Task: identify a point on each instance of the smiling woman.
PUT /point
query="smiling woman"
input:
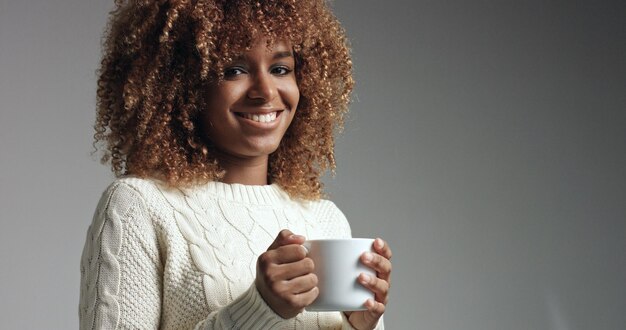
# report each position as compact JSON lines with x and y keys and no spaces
{"x":218,"y":118}
{"x":161,"y":57}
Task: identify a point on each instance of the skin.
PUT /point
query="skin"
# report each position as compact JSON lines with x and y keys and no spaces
{"x":260,"y":82}
{"x":286,"y":283}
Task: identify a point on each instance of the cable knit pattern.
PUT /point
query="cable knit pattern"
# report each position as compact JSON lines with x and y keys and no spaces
{"x":164,"y":258}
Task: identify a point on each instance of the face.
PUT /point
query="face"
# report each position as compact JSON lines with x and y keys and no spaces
{"x":250,"y":110}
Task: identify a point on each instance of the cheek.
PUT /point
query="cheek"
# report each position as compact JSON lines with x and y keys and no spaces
{"x":224,"y":95}
{"x":210,"y":115}
{"x":217,"y":104}
{"x":296,"y":97}
{"x":292,"y":94}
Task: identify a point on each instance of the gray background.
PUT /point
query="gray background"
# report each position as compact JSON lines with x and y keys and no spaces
{"x":486,"y":144}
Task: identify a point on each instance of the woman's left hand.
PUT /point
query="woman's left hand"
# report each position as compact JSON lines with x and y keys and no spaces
{"x":380,"y":262}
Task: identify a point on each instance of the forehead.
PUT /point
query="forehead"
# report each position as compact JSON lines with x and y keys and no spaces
{"x":265,"y":47}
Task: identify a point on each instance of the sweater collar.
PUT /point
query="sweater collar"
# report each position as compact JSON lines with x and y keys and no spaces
{"x":247,"y":194}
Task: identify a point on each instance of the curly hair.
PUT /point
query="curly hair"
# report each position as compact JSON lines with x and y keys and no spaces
{"x":158,"y":55}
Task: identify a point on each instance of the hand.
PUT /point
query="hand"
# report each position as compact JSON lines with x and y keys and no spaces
{"x":284,"y":275}
{"x":380,"y":261}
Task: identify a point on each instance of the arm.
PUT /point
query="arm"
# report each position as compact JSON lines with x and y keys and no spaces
{"x":248,"y":311}
{"x":122,"y":273}
{"x":120,"y":244}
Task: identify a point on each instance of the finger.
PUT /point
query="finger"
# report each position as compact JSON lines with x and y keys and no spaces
{"x":292,"y":270}
{"x":381,"y":247}
{"x":374,"y":308}
{"x":284,"y":263}
{"x":286,"y":237}
{"x":380,"y":264}
{"x":302,"y":284}
{"x":287,"y":254}
{"x":297,"y":300}
{"x":304,"y":299}
{"x":376,"y":285}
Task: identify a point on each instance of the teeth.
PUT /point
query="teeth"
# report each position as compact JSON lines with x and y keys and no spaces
{"x":262,"y":118}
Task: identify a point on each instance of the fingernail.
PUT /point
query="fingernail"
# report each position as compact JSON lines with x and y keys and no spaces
{"x":368,"y":257}
{"x":380,"y":243}
{"x":296,"y":237}
{"x":365,"y":278}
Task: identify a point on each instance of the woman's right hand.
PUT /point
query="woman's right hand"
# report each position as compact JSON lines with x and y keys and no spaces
{"x":284,"y":275}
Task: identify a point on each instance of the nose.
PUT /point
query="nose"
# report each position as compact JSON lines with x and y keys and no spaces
{"x":263,"y":88}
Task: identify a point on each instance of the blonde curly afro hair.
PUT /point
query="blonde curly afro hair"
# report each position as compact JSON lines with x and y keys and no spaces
{"x":158,"y":57}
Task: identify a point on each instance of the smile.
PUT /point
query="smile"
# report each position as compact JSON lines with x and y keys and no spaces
{"x":259,"y":118}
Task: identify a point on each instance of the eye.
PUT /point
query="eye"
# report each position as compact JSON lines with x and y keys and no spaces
{"x":281,"y":70}
{"x":234,"y":71}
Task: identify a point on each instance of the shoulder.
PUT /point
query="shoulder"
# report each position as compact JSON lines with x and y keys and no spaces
{"x":128,"y":194}
{"x":121,"y":197}
{"x":331,"y":218}
{"x":123,"y":216}
{"x":134,"y":185}
{"x":151,"y":190}
{"x":325,"y":207}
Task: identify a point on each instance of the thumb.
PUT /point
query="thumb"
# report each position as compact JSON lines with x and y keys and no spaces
{"x":286,"y":237}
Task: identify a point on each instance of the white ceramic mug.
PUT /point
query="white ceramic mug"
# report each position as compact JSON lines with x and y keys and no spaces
{"x":337,"y":266}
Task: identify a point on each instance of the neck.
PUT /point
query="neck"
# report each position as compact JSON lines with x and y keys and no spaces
{"x":248,"y":171}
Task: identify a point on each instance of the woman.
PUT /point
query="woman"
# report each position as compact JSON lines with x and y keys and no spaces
{"x":218,"y":119}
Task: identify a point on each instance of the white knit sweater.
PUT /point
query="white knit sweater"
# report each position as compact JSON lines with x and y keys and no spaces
{"x":159,"y":258}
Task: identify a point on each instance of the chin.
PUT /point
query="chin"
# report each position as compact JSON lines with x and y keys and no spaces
{"x":266,"y":150}
{"x":257,"y":150}
{"x":263,"y":144}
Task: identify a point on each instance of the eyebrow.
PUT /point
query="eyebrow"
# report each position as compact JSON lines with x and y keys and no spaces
{"x":283,"y":54}
{"x":277,"y":55}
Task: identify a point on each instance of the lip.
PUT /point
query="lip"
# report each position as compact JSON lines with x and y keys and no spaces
{"x":261,"y":111}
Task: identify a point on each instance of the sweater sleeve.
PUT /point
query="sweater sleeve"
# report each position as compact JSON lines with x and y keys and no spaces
{"x":120,"y":265}
{"x":122,"y":273}
{"x":345,"y":324}
{"x":248,"y":311}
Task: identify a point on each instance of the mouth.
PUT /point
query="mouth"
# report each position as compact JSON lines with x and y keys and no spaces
{"x":265,"y":117}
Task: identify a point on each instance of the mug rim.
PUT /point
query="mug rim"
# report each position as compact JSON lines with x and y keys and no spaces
{"x":339,"y":239}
